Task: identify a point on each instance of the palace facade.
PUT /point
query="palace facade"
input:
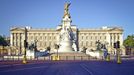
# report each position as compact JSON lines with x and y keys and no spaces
{"x":49,"y":37}
{"x":87,"y":38}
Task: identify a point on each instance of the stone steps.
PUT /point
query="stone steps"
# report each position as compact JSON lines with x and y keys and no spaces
{"x":70,"y":54}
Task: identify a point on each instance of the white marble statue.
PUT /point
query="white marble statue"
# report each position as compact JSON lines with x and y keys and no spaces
{"x":67,"y":40}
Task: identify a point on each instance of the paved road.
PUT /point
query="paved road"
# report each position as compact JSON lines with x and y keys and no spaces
{"x":69,"y":68}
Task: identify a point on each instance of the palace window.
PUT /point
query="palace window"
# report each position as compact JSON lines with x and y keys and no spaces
{"x":118,"y":37}
{"x":81,"y":43}
{"x":91,"y":43}
{"x":45,"y":37}
{"x":40,"y":37}
{"x":100,"y":37}
{"x":111,"y":37}
{"x":105,"y":37}
{"x":29,"y":34}
{"x":54,"y":37}
{"x":103,"y":34}
{"x":44,"y":43}
{"x":31,"y":37}
{"x":114,"y":36}
{"x":86,"y":37}
{"x":93,"y":33}
{"x":87,"y":43}
{"x":91,"y":37}
{"x":49,"y":43}
{"x":95,"y":37}
{"x":35,"y":37}
{"x":82,"y":37}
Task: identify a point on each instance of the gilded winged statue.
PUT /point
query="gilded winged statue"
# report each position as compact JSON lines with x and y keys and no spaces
{"x":66,"y":8}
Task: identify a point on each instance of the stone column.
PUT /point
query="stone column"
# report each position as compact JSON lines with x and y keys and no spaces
{"x":19,"y":35}
{"x":9,"y":51}
{"x":121,"y":39}
{"x":116,"y":36}
{"x":108,"y":41}
{"x":15,"y":39}
{"x":121,"y":44}
{"x":108,"y":38}
{"x":11,"y":43}
{"x":112,"y":39}
{"x":21,"y":43}
{"x":23,"y":38}
{"x":17,"y":43}
{"x":11,"y":39}
{"x":110,"y":44}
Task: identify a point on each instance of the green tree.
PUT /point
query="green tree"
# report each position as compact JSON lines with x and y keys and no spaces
{"x":84,"y":49}
{"x":49,"y":48}
{"x":129,"y":41}
{"x":3,"y":42}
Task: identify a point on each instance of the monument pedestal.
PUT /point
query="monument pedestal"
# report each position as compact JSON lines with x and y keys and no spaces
{"x":30,"y":54}
{"x":66,"y":34}
{"x":71,"y":56}
{"x":65,"y":46}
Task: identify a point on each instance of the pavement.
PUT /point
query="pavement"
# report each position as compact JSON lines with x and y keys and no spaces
{"x":91,"y":67}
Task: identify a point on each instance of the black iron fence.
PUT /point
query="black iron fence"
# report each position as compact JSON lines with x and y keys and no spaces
{"x":5,"y":58}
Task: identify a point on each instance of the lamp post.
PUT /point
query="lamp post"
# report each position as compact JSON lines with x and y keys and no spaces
{"x":35,"y":43}
{"x":57,"y":56}
{"x":118,"y":56}
{"x":57,"y":52}
{"x":117,"y":47}
{"x":25,"y":46}
{"x":118,"y":52}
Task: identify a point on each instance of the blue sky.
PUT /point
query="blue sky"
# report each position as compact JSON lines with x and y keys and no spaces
{"x":84,"y":14}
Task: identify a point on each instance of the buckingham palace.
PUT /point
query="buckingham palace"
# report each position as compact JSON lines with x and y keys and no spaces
{"x":50,"y":37}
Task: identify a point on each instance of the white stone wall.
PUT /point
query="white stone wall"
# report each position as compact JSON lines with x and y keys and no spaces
{"x":88,"y":37}
{"x":47,"y":37}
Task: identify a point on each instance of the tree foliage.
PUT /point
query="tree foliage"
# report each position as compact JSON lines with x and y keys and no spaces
{"x":3,"y":42}
{"x":84,"y":49}
{"x":48,"y":48}
{"x":129,"y":41}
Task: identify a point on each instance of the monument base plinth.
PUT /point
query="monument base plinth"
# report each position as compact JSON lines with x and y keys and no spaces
{"x":66,"y":46}
{"x":71,"y":56}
